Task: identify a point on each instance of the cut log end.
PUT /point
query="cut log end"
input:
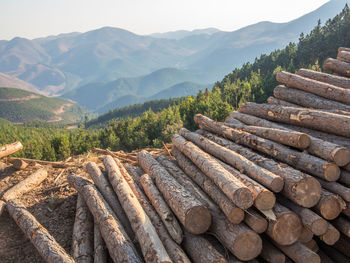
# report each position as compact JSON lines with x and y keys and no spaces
{"x":341,"y":156}
{"x":330,"y":208}
{"x":236,"y":215}
{"x":277,"y":184}
{"x":287,"y":229}
{"x":331,"y":172}
{"x":247,"y":246}
{"x":198,"y":220}
{"x":331,"y":236}
{"x":265,"y":200}
{"x":308,"y":192}
{"x":304,"y":141}
{"x":243,"y":198}
{"x":319,"y":226}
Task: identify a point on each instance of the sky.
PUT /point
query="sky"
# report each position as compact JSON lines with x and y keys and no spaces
{"x":39,"y":18}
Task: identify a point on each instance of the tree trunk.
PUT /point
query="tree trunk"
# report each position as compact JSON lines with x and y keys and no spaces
{"x":201,"y":251}
{"x":287,"y":227}
{"x":326,"y":78}
{"x":301,"y":188}
{"x":346,"y":210}
{"x":8,"y":149}
{"x":336,"y":188}
{"x":309,"y":118}
{"x":110,"y":196}
{"x":334,"y":254}
{"x":174,"y":250}
{"x":19,"y":164}
{"x":316,"y":87}
{"x":151,"y":245}
{"x":120,"y":247}
{"x":273,"y":100}
{"x":190,"y":211}
{"x":331,"y":236}
{"x":343,"y":245}
{"x":306,"y":235}
{"x":344,"y":56}
{"x":100,"y":250}
{"x":83,"y":233}
{"x":255,"y":221}
{"x":330,"y":205}
{"x":163,"y":210}
{"x":324,"y":257}
{"x":299,"y":160}
{"x":46,"y":245}
{"x":344,"y":178}
{"x":271,"y":254}
{"x":26,"y":185}
{"x":309,"y":100}
{"x":337,"y":66}
{"x":343,"y":225}
{"x":33,"y":161}
{"x":312,"y":245}
{"x":233,"y":213}
{"x":316,"y":224}
{"x":234,"y":189}
{"x":320,"y":144}
{"x":299,"y":253}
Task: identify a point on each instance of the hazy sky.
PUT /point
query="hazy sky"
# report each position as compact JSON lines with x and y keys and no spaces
{"x":38,"y":18}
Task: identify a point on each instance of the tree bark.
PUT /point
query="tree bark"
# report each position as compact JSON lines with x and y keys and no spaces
{"x":330,"y":205}
{"x":324,"y":257}
{"x":83,"y":233}
{"x":233,"y":213}
{"x":46,"y":245}
{"x":8,"y":149}
{"x":298,"y":187}
{"x":287,"y":227}
{"x":326,"y":78}
{"x":2,"y":206}
{"x":313,"y":86}
{"x":100,"y":249}
{"x":299,"y":253}
{"x":343,"y":245}
{"x":320,"y":144}
{"x":191,"y":212}
{"x":163,"y":210}
{"x":306,"y":235}
{"x":255,"y":221}
{"x":309,"y":100}
{"x":343,"y":225}
{"x":312,"y":245}
{"x":120,"y":247}
{"x":271,"y":254}
{"x":331,"y":236}
{"x":201,"y":251}
{"x":337,"y":66}
{"x":19,"y":164}
{"x":344,"y":178}
{"x":151,"y":245}
{"x":174,"y":250}
{"x":234,"y":189}
{"x":273,"y":100}
{"x":344,"y":55}
{"x":336,"y":188}
{"x":110,"y":196}
{"x":316,"y":224}
{"x":334,"y":254}
{"x":26,"y":185}
{"x":343,"y":49}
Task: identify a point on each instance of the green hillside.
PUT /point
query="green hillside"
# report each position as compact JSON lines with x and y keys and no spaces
{"x":23,"y":106}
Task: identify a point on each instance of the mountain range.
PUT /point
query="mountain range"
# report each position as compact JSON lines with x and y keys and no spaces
{"x":112,"y":67}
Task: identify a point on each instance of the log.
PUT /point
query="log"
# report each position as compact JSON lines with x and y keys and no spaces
{"x":287,"y":227}
{"x":273,"y":100}
{"x":343,"y":225}
{"x":110,"y":196}
{"x":191,"y":212}
{"x":309,"y":100}
{"x":331,"y":236}
{"x":312,"y":221}
{"x":118,"y":243}
{"x":344,"y":56}
{"x":343,"y":245}
{"x":8,"y":149}
{"x":324,"y":257}
{"x":46,"y":245}
{"x":337,"y":66}
{"x":299,"y":253}
{"x":320,"y":144}
{"x":298,"y":187}
{"x":2,"y":206}
{"x":336,"y":188}
{"x":330,"y":205}
{"x":133,"y":178}
{"x":312,"y":245}
{"x":100,"y":249}
{"x":343,"y":49}
{"x":201,"y":251}
{"x":299,"y":160}
{"x":33,"y":161}
{"x":346,"y":210}
{"x":19,"y":164}
{"x":344,"y":178}
{"x":334,"y":254}
{"x":163,"y":210}
{"x":26,"y":185}
{"x":255,"y":221}
{"x":151,"y":245}
{"x":83,"y":233}
{"x":326,"y":78}
{"x":271,"y":254}
{"x":233,"y":213}
{"x":305,"y":236}
{"x":315,"y":87}
{"x":234,"y":189}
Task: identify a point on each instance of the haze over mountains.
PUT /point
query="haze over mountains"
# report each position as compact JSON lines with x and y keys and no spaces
{"x":112,"y":67}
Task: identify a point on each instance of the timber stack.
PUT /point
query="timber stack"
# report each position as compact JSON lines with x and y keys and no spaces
{"x":270,"y":184}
